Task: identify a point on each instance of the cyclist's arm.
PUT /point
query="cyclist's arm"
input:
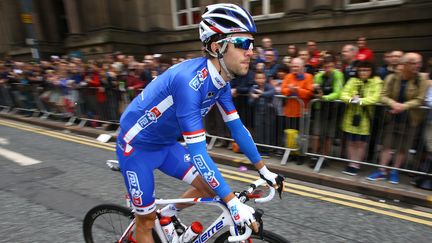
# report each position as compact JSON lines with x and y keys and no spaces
{"x":238,"y":131}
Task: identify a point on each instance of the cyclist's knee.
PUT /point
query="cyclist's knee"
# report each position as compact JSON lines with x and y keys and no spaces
{"x":145,"y":222}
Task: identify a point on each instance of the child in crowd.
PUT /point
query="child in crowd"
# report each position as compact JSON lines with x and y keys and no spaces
{"x":260,"y":98}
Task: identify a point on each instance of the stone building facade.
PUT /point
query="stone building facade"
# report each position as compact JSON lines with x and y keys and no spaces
{"x":137,"y":27}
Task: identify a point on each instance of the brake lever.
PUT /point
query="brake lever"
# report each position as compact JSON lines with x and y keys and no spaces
{"x":258,"y":217}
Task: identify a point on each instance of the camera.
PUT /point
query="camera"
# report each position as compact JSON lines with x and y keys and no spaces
{"x":356,"y":120}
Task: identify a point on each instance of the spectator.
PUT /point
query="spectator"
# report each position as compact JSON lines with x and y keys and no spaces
{"x":429,"y":68}
{"x":286,"y":61}
{"x":292,"y":51}
{"x":297,"y":84}
{"x":133,"y":81}
{"x":283,"y":70}
{"x":271,"y":66}
{"x":402,"y":93}
{"x":386,"y":63}
{"x":308,"y":68}
{"x":423,"y":181}
{"x":349,"y":53}
{"x":328,"y":86}
{"x":364,"y":53}
{"x":260,"y":98}
{"x":393,"y":60}
{"x":267,"y":44}
{"x":314,"y":54}
{"x":359,"y":94}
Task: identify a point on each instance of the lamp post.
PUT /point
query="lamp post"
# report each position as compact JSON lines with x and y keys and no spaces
{"x":27,"y":20}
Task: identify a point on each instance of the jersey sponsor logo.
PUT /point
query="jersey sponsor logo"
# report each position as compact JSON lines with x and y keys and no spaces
{"x":146,"y":209}
{"x":187,"y":158}
{"x":149,"y":117}
{"x":198,"y":80}
{"x":209,"y":95}
{"x":134,"y":188}
{"x":219,"y":83}
{"x":204,"y":111}
{"x":194,"y":137}
{"x":202,"y":75}
{"x":205,"y":171}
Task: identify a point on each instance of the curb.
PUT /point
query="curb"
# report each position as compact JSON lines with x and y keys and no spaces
{"x":316,"y":178}
{"x":335,"y":182}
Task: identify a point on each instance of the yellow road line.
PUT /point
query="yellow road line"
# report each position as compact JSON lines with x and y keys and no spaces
{"x":16,"y":125}
{"x":244,"y":177}
{"x":60,"y":136}
{"x":348,"y":204}
{"x":338,"y":195}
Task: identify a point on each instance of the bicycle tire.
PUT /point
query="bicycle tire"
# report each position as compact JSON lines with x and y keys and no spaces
{"x":268,"y":236}
{"x":107,"y":222}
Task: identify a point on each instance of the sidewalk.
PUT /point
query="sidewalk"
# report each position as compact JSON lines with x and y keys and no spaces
{"x":329,"y":176}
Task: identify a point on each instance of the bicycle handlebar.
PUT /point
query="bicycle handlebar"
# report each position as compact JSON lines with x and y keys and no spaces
{"x":243,"y":197}
{"x":241,"y":237}
{"x":260,"y":182}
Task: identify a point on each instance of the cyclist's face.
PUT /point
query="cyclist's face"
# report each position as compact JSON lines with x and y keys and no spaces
{"x":236,"y":59}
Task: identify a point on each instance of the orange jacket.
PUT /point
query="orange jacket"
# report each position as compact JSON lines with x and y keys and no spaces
{"x":304,"y":92}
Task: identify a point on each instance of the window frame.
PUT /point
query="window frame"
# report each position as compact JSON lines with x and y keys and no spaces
{"x":265,"y":10}
{"x":189,"y":15}
{"x":371,"y":4}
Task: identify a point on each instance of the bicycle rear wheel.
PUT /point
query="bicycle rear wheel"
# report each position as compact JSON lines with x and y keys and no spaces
{"x":106,"y":223}
{"x":269,"y":237}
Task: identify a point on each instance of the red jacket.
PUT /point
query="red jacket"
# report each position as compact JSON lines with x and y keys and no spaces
{"x":365,"y":54}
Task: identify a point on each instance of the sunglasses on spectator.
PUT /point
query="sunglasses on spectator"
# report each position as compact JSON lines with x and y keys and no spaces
{"x":244,"y":43}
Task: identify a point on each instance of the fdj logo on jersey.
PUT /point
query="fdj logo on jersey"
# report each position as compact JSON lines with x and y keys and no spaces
{"x":204,"y":170}
{"x":149,"y":117}
{"x":134,"y":187}
{"x":198,"y":80}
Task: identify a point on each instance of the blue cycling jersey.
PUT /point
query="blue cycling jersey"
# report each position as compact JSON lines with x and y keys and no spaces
{"x":174,"y":104}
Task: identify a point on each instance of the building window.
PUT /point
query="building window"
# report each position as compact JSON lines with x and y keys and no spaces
{"x":187,"y":13}
{"x":262,"y":9}
{"x":358,"y":4}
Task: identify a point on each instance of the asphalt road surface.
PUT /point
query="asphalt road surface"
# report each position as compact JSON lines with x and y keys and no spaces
{"x":49,"y":180}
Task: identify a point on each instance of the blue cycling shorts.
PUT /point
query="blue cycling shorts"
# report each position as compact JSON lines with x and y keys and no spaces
{"x":137,"y":169}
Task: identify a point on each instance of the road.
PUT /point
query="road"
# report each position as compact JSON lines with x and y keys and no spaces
{"x":50,"y":179}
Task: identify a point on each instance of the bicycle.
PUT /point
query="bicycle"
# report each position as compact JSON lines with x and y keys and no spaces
{"x":115,"y":223}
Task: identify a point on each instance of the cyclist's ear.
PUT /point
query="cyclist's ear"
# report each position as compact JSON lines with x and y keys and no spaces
{"x":214,"y":47}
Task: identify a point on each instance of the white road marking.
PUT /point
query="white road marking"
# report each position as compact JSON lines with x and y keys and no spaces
{"x":4,"y":141}
{"x":18,"y":158}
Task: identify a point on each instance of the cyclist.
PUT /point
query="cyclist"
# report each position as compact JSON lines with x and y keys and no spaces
{"x":174,"y":104}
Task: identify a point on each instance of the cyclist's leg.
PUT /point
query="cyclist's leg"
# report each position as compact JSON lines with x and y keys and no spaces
{"x":137,"y":169}
{"x":177,"y":164}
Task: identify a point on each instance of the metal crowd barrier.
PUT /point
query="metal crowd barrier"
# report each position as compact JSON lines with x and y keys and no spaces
{"x":416,"y":161}
{"x":86,"y":107}
{"x":252,"y":117}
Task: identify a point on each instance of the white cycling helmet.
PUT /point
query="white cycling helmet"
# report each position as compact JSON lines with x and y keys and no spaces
{"x":225,"y":18}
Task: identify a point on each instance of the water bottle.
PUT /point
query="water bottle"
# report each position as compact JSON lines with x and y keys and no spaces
{"x":191,"y":232}
{"x":168,"y":229}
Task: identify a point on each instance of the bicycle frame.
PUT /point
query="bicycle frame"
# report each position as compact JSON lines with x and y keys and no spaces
{"x":224,"y":220}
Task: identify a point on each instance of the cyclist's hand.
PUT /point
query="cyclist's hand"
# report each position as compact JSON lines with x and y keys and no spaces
{"x":241,"y":213}
{"x":272,"y":179}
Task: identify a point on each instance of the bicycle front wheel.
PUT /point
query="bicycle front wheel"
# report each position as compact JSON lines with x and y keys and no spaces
{"x":107,"y":223}
{"x":268,"y":236}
